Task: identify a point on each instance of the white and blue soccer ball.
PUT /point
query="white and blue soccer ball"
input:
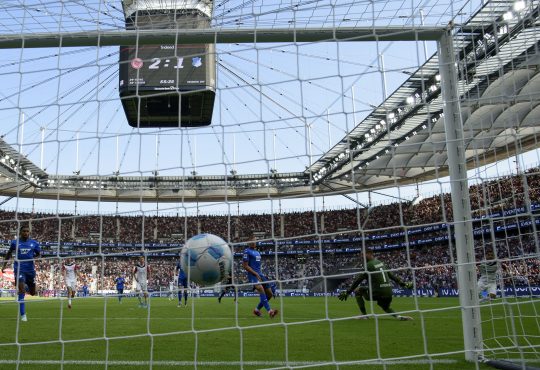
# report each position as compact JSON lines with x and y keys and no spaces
{"x":206,"y":259}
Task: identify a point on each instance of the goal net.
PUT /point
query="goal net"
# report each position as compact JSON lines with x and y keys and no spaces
{"x":378,"y":159}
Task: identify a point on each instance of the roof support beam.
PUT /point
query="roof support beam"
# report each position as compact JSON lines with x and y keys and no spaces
{"x":347,"y":196}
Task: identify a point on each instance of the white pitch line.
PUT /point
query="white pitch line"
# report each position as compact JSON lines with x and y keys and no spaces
{"x":232,"y":318}
{"x":289,"y":319}
{"x":222,"y":363}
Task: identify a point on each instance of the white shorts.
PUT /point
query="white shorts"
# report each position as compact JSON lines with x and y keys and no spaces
{"x":484,"y":284}
{"x":141,"y":287}
{"x":71,"y":283}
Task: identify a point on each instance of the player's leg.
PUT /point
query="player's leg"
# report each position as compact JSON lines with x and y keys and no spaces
{"x":384,"y":303}
{"x":269,"y":294}
{"x":492,"y":290}
{"x":221,"y":295}
{"x":120,"y":294}
{"x":72,"y":290}
{"x":482,"y":290}
{"x":139,"y":290}
{"x":142,"y":299}
{"x":20,"y":286}
{"x":180,"y":293}
{"x":30,"y":283}
{"x":69,"y":291}
{"x":268,"y":291}
{"x":263,"y":300}
{"x":145,"y":294}
{"x":361,"y":294}
{"x":185,"y":291}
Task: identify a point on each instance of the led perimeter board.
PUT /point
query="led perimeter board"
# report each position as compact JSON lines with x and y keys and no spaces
{"x":167,"y":85}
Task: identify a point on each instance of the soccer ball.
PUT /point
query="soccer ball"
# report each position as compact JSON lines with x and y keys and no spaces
{"x":206,"y":259}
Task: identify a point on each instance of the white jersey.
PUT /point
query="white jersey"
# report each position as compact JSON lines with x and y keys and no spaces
{"x":489,"y":271}
{"x":141,"y":273}
{"x":141,"y":277}
{"x":70,"y":277}
{"x":70,"y":271}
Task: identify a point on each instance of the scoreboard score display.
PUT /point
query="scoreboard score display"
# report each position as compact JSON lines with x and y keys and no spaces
{"x":167,"y":85}
{"x":160,"y":67}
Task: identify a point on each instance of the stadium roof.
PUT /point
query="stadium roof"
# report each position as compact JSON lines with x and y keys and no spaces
{"x":401,"y":141}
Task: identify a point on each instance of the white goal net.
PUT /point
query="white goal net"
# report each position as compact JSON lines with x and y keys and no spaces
{"x":378,"y":159}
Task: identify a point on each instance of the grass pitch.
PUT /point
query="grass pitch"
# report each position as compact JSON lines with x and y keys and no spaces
{"x":100,"y":333}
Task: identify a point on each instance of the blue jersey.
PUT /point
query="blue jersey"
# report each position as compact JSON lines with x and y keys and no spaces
{"x":120,"y":281}
{"x":181,"y":274}
{"x":253,"y":258}
{"x":26,"y":251}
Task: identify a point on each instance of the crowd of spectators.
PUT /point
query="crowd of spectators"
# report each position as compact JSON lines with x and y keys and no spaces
{"x":430,"y":266}
{"x":486,"y":197}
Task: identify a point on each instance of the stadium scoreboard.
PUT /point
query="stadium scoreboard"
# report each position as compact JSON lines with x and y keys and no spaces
{"x":167,"y":85}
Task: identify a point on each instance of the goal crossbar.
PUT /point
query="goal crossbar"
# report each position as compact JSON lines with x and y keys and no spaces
{"x":220,"y":36}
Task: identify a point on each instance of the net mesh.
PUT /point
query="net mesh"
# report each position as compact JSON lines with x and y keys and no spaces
{"x":318,"y":151}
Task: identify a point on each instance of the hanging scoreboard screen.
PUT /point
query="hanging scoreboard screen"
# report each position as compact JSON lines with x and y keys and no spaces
{"x":167,"y":85}
{"x":149,"y":72}
{"x":165,"y":67}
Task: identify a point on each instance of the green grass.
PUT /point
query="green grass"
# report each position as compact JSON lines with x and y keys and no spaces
{"x":129,"y":337}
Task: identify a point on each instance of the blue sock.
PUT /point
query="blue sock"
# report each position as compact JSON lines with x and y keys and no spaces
{"x":119,"y":297}
{"x":21,"y":304}
{"x":260,"y":305}
{"x":179,"y":297}
{"x":264,"y":302}
{"x":185,"y":297}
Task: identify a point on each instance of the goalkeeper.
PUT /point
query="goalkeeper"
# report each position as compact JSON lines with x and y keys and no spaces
{"x":381,"y":287}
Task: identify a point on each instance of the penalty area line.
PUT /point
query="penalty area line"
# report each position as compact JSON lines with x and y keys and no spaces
{"x":222,"y":363}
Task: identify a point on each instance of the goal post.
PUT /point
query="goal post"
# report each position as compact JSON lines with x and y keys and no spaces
{"x":206,"y":36}
{"x":461,"y":206}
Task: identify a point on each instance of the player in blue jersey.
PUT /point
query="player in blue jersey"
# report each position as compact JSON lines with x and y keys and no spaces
{"x":85,"y":290}
{"x":24,"y":271}
{"x":251,"y":261}
{"x":182,"y":284}
{"x":120,"y":282}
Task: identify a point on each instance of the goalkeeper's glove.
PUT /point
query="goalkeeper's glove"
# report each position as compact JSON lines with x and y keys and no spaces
{"x":343,"y":295}
{"x":408,"y":285}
